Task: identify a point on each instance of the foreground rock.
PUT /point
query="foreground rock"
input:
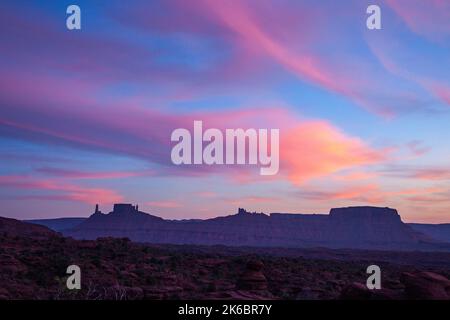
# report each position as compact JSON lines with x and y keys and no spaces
{"x":33,"y":265}
{"x":253,"y":278}
{"x":359,"y":291}
{"x":13,"y":227}
{"x":426,"y":285}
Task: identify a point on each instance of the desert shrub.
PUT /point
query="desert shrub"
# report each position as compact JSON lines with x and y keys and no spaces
{"x":40,"y":275}
{"x":174,"y":296}
{"x":154,"y":260}
{"x":96,"y":261}
{"x":211,"y":287}
{"x":151,"y":280}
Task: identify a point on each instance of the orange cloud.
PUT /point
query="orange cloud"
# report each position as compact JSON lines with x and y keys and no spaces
{"x":315,"y":149}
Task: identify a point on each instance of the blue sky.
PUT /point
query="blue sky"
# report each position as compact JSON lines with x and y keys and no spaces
{"x":86,"y":115}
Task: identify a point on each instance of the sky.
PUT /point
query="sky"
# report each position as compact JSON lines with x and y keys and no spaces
{"x":86,"y":115}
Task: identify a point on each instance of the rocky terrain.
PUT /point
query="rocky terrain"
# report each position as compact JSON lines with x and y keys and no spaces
{"x":353,"y":227}
{"x":33,"y":262}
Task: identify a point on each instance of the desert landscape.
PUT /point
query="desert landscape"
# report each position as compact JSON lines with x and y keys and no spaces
{"x":34,"y":259}
{"x":167,"y":150}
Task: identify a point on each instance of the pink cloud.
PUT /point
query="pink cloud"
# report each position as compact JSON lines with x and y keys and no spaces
{"x":385,"y":54}
{"x":46,"y":46}
{"x":206,"y":194}
{"x":164,"y":204}
{"x":427,"y":18}
{"x":421,"y":173}
{"x":355,"y":176}
{"x":326,"y":71}
{"x":61,"y":190}
{"x":424,"y":213}
{"x":315,"y":149}
{"x":238,"y":18}
{"x":417,"y":148}
{"x":430,"y":199}
{"x":432,"y":174}
{"x":309,"y":148}
{"x":250,"y":200}
{"x":441,"y":90}
{"x":254,"y":33}
{"x":371,"y":193}
{"x":77,"y":174}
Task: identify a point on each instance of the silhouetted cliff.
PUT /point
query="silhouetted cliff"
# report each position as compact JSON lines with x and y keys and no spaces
{"x":353,"y":227}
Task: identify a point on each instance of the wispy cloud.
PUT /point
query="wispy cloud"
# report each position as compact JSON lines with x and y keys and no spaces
{"x":58,"y":190}
{"x":164,"y":204}
{"x":426,"y":18}
{"x":316,"y":149}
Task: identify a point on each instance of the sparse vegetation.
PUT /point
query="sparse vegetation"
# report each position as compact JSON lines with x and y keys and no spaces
{"x":35,"y":268}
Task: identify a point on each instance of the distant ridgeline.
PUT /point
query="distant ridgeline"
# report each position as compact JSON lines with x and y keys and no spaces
{"x":352,"y":227}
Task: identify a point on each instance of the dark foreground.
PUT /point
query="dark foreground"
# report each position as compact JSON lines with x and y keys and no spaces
{"x":33,"y":266}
